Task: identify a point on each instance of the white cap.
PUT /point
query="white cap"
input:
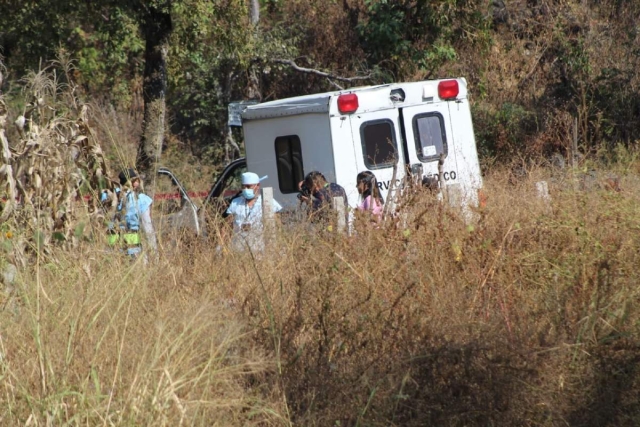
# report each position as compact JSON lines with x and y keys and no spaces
{"x":250,"y":178}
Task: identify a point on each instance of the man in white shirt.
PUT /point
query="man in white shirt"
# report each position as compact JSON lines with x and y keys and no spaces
{"x":245,"y":211}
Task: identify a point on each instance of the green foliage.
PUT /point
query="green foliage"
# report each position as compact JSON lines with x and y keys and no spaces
{"x":108,"y":52}
{"x":504,"y":132}
{"x":617,"y":105}
{"x":211,"y":62}
{"x":418,"y":37}
{"x":32,"y":31}
{"x":383,"y":34}
{"x":539,"y":56}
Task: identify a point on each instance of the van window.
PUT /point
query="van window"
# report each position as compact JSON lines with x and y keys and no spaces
{"x":232,"y":184}
{"x":289,"y":161}
{"x":169,"y":200}
{"x":378,"y":144}
{"x":430,"y":136}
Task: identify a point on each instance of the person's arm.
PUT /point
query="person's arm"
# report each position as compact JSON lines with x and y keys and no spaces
{"x":144,"y":204}
{"x":304,"y":200}
{"x":365,"y":209}
{"x":277,"y":209}
{"x":366,"y":204}
{"x":319,"y":200}
{"x":226,"y":229}
{"x":376,"y":210}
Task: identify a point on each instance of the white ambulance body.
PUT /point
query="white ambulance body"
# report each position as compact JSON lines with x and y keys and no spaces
{"x":407,"y":125}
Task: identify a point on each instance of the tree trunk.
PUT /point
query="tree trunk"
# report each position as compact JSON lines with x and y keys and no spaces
{"x":156,"y":28}
{"x":254,"y":11}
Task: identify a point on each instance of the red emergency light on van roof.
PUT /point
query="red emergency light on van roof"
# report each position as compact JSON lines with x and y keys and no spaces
{"x":348,"y":103}
{"x":448,"y":89}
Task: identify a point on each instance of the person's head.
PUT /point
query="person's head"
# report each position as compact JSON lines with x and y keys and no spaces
{"x":368,"y":185}
{"x":250,"y":185}
{"x":129,"y":177}
{"x":314,"y":181}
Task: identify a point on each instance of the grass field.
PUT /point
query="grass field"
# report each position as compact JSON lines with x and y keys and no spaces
{"x":526,"y":316}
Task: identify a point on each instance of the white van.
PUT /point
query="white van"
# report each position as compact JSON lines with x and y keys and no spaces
{"x":407,"y":125}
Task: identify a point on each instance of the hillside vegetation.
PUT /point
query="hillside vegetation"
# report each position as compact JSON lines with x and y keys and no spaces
{"x":535,"y":68}
{"x":527,"y":315}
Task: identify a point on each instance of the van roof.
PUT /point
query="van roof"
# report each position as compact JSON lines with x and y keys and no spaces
{"x":378,"y":97}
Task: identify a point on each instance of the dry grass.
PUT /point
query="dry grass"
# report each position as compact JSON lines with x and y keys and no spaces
{"x":509,"y":322}
{"x":528,"y":317}
{"x":92,"y":339}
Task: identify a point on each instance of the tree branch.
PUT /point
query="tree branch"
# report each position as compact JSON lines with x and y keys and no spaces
{"x":329,"y":76}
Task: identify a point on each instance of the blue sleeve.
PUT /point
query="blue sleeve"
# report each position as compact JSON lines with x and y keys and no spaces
{"x":231,"y":210}
{"x":144,"y":203}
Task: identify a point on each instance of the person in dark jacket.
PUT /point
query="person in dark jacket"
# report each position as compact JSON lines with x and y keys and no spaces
{"x":321,"y":194}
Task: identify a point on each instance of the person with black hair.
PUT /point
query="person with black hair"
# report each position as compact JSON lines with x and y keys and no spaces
{"x":372,"y":200}
{"x":321,"y":194}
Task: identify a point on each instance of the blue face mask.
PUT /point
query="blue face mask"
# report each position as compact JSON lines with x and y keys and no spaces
{"x":248,"y":193}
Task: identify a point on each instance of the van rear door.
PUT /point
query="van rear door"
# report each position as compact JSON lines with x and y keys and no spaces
{"x":377,"y":136}
{"x":428,"y":132}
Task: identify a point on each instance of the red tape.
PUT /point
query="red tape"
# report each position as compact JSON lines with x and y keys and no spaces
{"x":192,"y":194}
{"x":170,"y":196}
{"x":163,"y":196}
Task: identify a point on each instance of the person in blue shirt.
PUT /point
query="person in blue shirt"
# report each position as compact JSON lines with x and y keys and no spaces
{"x":245,"y":212}
{"x":135,"y":211}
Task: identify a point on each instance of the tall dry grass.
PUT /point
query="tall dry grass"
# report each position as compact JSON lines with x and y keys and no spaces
{"x":525,"y":317}
{"x":92,"y":339}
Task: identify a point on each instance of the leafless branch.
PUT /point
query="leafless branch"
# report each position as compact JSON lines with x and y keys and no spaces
{"x":329,"y":76}
{"x":335,"y":84}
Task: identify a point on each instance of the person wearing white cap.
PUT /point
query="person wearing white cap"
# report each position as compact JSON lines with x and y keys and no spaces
{"x":246,"y":213}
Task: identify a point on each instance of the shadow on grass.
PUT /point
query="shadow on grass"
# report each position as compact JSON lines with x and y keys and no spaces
{"x":612,"y":395}
{"x":461,"y":384}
